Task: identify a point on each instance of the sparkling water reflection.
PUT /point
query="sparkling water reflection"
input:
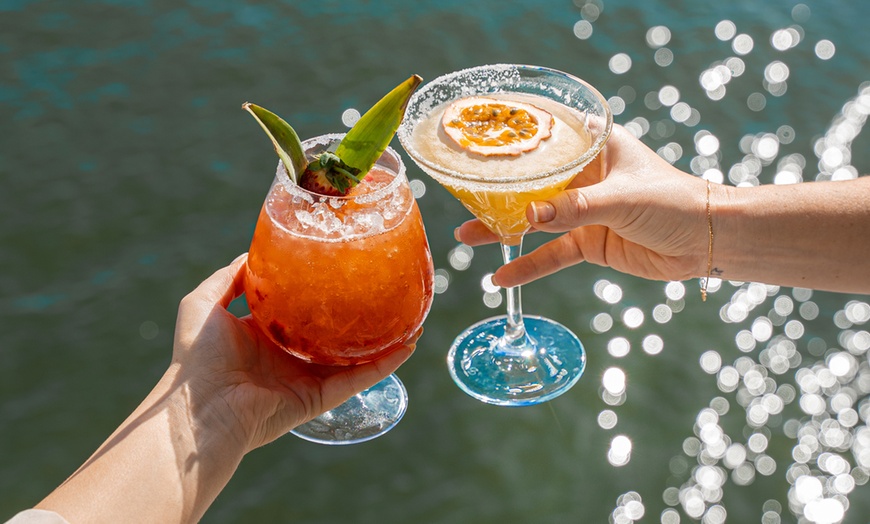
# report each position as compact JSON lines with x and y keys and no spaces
{"x":821,"y":402}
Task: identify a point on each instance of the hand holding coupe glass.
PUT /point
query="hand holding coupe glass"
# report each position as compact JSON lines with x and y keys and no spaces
{"x":340,"y":271}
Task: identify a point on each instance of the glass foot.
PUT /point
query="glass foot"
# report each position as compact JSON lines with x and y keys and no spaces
{"x":495,"y":372}
{"x":365,"y":416}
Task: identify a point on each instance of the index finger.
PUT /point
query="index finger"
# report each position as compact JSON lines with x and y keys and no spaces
{"x":547,"y":259}
{"x":475,"y":233}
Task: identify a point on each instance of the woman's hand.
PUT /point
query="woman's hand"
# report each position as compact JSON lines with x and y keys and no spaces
{"x":628,"y":209}
{"x":227,"y":391}
{"x":259,"y":391}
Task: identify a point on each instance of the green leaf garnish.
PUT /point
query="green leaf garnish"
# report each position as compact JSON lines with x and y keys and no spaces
{"x":370,"y":136}
{"x":356,"y":153}
{"x":284,"y":139}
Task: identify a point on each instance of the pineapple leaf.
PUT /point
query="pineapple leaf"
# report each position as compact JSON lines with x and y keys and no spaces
{"x":284,"y":139}
{"x":370,"y":136}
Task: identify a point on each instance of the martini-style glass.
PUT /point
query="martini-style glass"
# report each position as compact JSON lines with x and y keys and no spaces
{"x":340,"y":281}
{"x":510,"y":360}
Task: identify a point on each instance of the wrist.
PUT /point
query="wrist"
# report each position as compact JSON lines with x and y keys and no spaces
{"x":722,"y":233}
{"x":204,"y":421}
{"x":745,"y":234}
{"x":165,"y":450}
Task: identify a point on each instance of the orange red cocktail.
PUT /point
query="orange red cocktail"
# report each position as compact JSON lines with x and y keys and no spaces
{"x":340,"y":280}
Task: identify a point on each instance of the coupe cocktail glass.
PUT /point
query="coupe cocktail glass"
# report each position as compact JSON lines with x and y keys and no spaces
{"x":510,"y":360}
{"x":340,"y":281}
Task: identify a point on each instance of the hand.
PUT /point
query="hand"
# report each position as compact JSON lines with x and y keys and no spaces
{"x":246,"y":382}
{"x":227,"y":391}
{"x":628,"y":209}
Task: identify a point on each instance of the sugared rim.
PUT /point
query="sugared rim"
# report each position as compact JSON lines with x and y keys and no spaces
{"x":408,"y":124}
{"x":325,"y":141}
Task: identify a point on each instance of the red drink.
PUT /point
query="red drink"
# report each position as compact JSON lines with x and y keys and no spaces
{"x":340,"y":280}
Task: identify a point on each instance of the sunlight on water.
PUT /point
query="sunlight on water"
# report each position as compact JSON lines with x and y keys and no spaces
{"x":831,"y":452}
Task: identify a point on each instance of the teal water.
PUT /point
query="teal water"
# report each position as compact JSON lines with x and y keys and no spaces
{"x":129,"y":173}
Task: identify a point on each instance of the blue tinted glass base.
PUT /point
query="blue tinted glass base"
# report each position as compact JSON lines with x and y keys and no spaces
{"x":364,"y":416}
{"x":550,"y":361}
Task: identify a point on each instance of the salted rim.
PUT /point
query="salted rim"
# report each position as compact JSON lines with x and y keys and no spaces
{"x":419,"y":100}
{"x":383,"y":196}
{"x":328,"y":140}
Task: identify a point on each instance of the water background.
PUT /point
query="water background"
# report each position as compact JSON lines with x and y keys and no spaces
{"x":130,"y":173}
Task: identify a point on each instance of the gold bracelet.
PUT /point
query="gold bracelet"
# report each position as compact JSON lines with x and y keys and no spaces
{"x":710,"y":246}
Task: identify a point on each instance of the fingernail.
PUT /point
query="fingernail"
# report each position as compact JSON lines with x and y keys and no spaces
{"x":239,"y":258}
{"x":456,"y":235}
{"x":543,"y":212}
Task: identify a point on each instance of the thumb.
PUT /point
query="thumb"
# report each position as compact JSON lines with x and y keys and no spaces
{"x":222,"y":286}
{"x":572,"y":208}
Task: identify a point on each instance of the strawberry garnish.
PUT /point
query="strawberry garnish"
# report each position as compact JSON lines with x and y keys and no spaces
{"x":317,"y":182}
{"x":328,"y":175}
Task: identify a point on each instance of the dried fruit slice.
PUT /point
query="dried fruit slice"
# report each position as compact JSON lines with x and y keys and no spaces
{"x":491,"y":126}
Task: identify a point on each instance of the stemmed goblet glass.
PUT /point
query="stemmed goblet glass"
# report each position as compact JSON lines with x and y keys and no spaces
{"x":340,"y":281}
{"x":510,"y":360}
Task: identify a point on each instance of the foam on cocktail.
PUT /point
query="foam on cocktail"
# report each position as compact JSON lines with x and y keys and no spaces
{"x":497,"y":189}
{"x":568,"y":141}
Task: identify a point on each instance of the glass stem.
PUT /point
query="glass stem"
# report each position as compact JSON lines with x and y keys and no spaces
{"x":515,"y":331}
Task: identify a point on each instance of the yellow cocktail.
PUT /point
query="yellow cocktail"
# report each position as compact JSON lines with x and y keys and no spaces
{"x":497,"y":188}
{"x":499,"y":137}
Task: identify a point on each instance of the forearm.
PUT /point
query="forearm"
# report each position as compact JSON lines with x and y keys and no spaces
{"x":158,"y":466}
{"x":814,"y":235}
